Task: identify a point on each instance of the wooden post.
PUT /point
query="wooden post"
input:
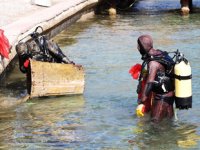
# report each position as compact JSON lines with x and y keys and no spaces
{"x":186,"y":5}
{"x":190,"y":4}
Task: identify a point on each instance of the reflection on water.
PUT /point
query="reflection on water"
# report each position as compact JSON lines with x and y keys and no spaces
{"x":166,"y":135}
{"x":46,"y":122}
{"x":104,"y":117}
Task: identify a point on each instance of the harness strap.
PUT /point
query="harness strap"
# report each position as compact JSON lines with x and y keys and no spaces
{"x":182,"y":77}
{"x":169,"y":100}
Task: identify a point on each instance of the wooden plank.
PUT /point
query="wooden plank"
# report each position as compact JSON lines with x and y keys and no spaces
{"x":55,"y":79}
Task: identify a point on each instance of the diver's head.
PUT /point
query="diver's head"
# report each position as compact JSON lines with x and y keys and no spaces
{"x":21,"y":48}
{"x":145,"y":44}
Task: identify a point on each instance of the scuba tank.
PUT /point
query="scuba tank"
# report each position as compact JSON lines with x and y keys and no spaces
{"x":179,"y":70}
{"x":183,"y":82}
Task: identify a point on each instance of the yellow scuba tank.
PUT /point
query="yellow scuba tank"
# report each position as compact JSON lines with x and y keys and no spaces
{"x":183,"y":83}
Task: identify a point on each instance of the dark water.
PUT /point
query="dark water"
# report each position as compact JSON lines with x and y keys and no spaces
{"x":104,"y":116}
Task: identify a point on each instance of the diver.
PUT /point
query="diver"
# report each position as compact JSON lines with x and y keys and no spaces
{"x":40,"y":49}
{"x":23,"y":56}
{"x":159,"y":82}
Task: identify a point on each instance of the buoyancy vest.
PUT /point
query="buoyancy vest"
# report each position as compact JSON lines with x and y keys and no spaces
{"x":164,"y":82}
{"x":164,"y":79}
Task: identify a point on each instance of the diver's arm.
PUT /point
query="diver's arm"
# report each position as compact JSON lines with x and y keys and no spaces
{"x":152,"y":69}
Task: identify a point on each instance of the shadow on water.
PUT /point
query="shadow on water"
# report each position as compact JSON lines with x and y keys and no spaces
{"x":13,"y":89}
{"x":65,"y":39}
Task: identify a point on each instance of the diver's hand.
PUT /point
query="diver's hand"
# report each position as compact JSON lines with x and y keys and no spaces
{"x":140,"y":110}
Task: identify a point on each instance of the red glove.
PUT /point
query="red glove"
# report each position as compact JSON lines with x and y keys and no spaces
{"x":135,"y":71}
{"x":26,"y":63}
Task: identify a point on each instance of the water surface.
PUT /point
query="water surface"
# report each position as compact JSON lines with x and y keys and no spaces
{"x":104,"y":116}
